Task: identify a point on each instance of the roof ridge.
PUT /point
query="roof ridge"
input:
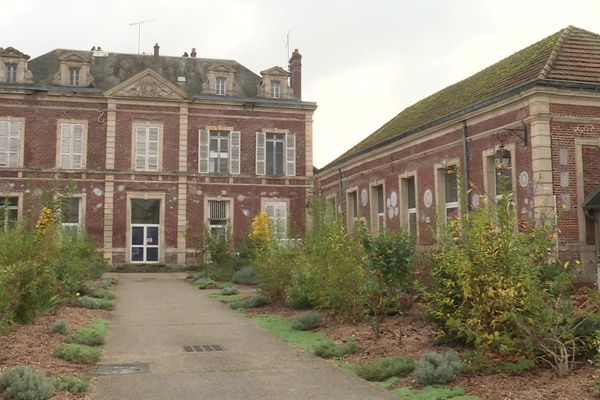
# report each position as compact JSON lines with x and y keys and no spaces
{"x":555,"y":51}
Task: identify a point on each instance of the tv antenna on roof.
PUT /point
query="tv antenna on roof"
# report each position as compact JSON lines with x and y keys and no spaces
{"x":287,"y":46}
{"x":139,"y":25}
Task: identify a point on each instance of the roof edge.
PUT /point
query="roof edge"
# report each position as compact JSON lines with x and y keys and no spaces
{"x":555,"y":51}
{"x":473,"y":107}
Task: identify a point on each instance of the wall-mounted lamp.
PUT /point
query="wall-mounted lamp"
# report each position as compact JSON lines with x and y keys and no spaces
{"x":502,"y":157}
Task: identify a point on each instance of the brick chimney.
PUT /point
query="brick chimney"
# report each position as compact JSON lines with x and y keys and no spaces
{"x":296,"y":74}
{"x":156,"y":48}
{"x":193,"y":53}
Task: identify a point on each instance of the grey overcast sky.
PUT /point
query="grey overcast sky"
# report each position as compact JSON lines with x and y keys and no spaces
{"x":363,"y":61}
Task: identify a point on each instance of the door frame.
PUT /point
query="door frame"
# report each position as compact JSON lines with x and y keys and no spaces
{"x":161,"y":231}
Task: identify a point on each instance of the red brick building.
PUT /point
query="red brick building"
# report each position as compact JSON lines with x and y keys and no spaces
{"x":153,"y":149}
{"x":541,"y":104}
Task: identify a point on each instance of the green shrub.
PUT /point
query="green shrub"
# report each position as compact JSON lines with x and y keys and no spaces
{"x":436,"y":369}
{"x":78,"y":353}
{"x":236,"y":305}
{"x":102,"y":293}
{"x":332,"y":266}
{"x":330,"y":349}
{"x":94,"y":303}
{"x":204,"y":283}
{"x":60,"y":327}
{"x":91,"y":335}
{"x":71,"y":384}
{"x":488,"y":275}
{"x":388,"y":271}
{"x":518,"y":367}
{"x":195,"y":275}
{"x":229,"y":291}
{"x":385,"y":368}
{"x":297,"y":294}
{"x":246,"y":275}
{"x":307,"y":321}
{"x":257,"y":300}
{"x":108,"y":282}
{"x":25,"y":383}
{"x":274,"y":268}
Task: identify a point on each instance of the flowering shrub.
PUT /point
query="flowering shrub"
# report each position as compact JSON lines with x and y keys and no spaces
{"x":261,"y":232}
{"x":40,"y":268}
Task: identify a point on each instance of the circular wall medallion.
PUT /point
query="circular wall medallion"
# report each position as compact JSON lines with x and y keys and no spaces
{"x":394,"y":199}
{"x":428,"y":198}
{"x":364,"y":197}
{"x":523,"y":179}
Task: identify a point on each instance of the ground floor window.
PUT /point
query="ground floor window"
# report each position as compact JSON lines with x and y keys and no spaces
{"x":9,"y":211}
{"x":277,"y":212}
{"x":218,"y":216}
{"x":71,"y":214}
{"x":145,"y":230}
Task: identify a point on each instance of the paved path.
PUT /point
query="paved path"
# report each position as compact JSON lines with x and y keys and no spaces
{"x":158,"y":314}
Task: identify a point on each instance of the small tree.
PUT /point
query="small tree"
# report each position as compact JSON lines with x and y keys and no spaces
{"x":388,"y":272}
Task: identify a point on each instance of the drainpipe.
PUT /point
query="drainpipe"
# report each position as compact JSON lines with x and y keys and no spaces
{"x":341,"y":180}
{"x":465,"y":162}
{"x":593,"y":217}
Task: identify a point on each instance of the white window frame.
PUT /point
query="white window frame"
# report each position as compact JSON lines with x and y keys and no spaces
{"x":489,"y":172}
{"x":228,"y":211}
{"x":289,"y":151}
{"x":161,"y":225}
{"x":65,"y":160}
{"x":233,"y":151}
{"x":279,"y":223}
{"x":11,"y":154}
{"x":79,"y":225}
{"x":377,"y":216}
{"x":405,"y":211}
{"x":275,"y":89}
{"x":4,"y":222}
{"x":146,"y":156}
{"x":74,"y":76}
{"x":441,"y":170}
{"x":352,"y":213}
{"x":11,"y":72}
{"x":221,"y":86}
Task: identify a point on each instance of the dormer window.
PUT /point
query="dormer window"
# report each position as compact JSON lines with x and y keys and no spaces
{"x":221,"y":86}
{"x":74,"y":76}
{"x":275,"y":89}
{"x":11,"y":73}
{"x":73,"y":70}
{"x":13,"y":66}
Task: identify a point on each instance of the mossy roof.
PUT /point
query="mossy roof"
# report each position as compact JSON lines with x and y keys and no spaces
{"x":114,"y":68}
{"x":571,"y":54}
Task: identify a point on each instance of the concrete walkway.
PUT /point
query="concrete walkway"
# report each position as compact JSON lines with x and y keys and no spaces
{"x":158,"y":314}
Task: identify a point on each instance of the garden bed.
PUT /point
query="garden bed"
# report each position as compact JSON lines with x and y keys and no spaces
{"x":33,"y":345}
{"x":412,"y":336}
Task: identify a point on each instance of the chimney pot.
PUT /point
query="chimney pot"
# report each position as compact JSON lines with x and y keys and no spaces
{"x":193,"y":53}
{"x":156,"y":50}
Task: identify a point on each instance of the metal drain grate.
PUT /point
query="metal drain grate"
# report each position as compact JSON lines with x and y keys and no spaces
{"x":202,"y":348}
{"x":117,"y":369}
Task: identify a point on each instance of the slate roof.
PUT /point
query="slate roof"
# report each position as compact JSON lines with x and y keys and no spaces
{"x":570,"y":55}
{"x":115,"y":68}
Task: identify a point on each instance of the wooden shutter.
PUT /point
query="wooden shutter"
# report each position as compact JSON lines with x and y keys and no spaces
{"x":77,"y":146}
{"x":234,"y":152}
{"x":66,"y":131}
{"x":290,"y":154}
{"x":153,"y":142}
{"x":4,"y":127}
{"x":260,"y":153}
{"x":203,"y":142}
{"x":14,"y":144}
{"x":140,"y":147}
